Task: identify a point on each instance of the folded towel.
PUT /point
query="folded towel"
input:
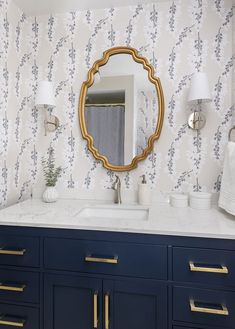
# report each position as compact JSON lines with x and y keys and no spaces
{"x":227,"y":192}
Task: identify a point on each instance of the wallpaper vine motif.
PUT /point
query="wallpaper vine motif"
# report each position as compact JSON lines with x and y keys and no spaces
{"x":147,"y":116}
{"x":177,"y":39}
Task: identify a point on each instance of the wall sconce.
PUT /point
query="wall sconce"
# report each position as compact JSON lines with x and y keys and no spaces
{"x":45,"y":98}
{"x":199,"y":93}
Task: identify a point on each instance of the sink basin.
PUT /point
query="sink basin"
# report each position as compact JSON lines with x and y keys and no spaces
{"x":118,"y":212}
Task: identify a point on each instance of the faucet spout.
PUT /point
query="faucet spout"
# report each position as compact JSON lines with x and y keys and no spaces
{"x":117,"y":188}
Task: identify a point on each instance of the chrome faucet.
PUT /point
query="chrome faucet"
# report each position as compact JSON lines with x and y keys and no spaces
{"x":117,"y":188}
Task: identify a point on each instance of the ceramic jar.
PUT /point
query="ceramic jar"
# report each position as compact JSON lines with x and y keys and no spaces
{"x":200,"y":200}
{"x":179,"y":200}
{"x":50,"y":194}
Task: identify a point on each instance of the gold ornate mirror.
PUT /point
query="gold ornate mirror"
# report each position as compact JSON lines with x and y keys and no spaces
{"x":121,"y":109}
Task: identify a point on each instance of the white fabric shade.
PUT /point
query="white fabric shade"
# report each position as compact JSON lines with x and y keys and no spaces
{"x":199,"y":89}
{"x":45,"y":94}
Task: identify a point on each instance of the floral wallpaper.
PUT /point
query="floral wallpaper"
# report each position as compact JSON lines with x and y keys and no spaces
{"x":147,"y":116}
{"x":178,"y":37}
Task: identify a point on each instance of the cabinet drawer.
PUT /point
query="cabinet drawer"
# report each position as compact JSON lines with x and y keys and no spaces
{"x":19,"y":286}
{"x":204,"y":266}
{"x":12,"y":316}
{"x":204,"y":307}
{"x":19,"y":251}
{"x":138,"y":260}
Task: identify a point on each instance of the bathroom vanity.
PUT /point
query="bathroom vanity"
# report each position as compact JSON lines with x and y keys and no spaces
{"x":59,"y":271}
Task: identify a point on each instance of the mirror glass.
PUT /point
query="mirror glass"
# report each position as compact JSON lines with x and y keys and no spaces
{"x":121,"y":109}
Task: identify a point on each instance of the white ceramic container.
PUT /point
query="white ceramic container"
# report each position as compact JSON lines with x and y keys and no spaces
{"x":179,"y":200}
{"x":200,"y":200}
{"x":50,"y":194}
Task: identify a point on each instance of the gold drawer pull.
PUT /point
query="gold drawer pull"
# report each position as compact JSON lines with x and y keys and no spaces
{"x":12,"y":252}
{"x":223,"y":311}
{"x":95,"y":301}
{"x":12,"y":287}
{"x":106,"y":315}
{"x":7,"y":321}
{"x":221,"y":270}
{"x":92,"y":259}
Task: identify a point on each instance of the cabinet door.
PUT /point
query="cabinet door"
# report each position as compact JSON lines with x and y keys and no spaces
{"x":72,"y":302}
{"x":134,"y":304}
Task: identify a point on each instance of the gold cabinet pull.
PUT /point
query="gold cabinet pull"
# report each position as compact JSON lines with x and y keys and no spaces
{"x":6,"y":321}
{"x":221,"y":269}
{"x":12,"y":252}
{"x":223,"y":311}
{"x":12,"y":287}
{"x":95,"y":302}
{"x":92,"y":259}
{"x":106,"y":314}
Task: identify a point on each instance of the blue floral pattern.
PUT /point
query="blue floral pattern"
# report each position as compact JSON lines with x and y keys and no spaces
{"x":176,"y":39}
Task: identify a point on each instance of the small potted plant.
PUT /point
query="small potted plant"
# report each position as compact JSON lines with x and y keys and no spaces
{"x":51,"y":175}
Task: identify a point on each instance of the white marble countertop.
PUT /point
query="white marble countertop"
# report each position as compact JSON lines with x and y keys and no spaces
{"x":163,"y":219}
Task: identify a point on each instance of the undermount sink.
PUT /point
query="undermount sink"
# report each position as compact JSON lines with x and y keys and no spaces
{"x":119,"y":212}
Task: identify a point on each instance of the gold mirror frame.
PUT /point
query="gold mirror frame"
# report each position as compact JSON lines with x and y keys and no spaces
{"x":89,"y":82}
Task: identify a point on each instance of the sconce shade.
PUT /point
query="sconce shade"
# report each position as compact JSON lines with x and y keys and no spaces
{"x":199,"y":89}
{"x":45,"y":94}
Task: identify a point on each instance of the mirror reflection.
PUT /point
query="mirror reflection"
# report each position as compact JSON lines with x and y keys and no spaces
{"x":121,"y":109}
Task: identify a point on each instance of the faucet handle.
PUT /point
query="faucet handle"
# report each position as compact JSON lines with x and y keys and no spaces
{"x":117,"y":188}
{"x":116,"y":183}
{"x":117,"y":178}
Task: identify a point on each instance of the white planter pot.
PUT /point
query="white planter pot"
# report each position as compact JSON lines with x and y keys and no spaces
{"x":50,"y":194}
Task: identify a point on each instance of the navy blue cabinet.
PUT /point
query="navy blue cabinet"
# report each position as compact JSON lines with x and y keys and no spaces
{"x":204,"y":265}
{"x":125,"y":259}
{"x":75,"y":302}
{"x":135,"y":304}
{"x":17,"y":316}
{"x":72,"y":302}
{"x":21,"y":286}
{"x":18,"y":250}
{"x":204,"y":306}
{"x":74,"y":279}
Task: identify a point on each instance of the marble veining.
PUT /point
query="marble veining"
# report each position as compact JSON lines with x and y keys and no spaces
{"x":163,"y":219}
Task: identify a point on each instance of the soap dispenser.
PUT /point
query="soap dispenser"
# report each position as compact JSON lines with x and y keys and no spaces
{"x":144,"y":192}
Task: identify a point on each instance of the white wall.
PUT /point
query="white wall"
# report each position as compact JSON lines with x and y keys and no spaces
{"x":63,"y":47}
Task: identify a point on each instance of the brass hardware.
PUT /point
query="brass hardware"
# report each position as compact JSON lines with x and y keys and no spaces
{"x":95,"y":301}
{"x":16,"y":288}
{"x":101,"y":260}
{"x":106,"y":315}
{"x":82,"y":104}
{"x":223,"y":311}
{"x":12,"y":252}
{"x":221,"y":270}
{"x":10,"y":323}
